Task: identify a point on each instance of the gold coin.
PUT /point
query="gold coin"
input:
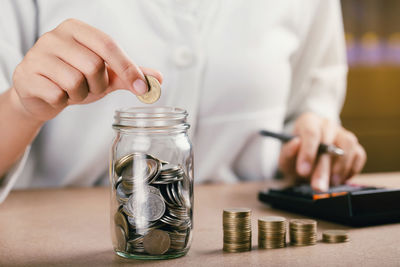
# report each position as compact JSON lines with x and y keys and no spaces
{"x":154,"y":92}
{"x":271,"y":232}
{"x":237,"y":212}
{"x":303,"y":232}
{"x":121,"y":238}
{"x":335,"y":236}
{"x":156,"y":242}
{"x":120,"y":220}
{"x":271,"y":219}
{"x":236,"y":224}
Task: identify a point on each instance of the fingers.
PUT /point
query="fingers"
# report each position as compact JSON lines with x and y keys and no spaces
{"x":105,"y":47}
{"x":321,"y":173}
{"x":65,"y":76}
{"x":90,"y":65}
{"x":343,"y":165}
{"x":75,"y":64}
{"x":288,"y":156}
{"x":324,"y":168}
{"x":155,"y":73}
{"x":310,"y":133}
{"x":45,"y":90}
{"x":359,"y":161}
{"x":351,"y":162}
{"x":116,"y":83}
{"x":320,"y":177}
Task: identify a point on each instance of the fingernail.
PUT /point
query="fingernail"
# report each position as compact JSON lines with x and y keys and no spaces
{"x":323,"y":186}
{"x":304,"y":168}
{"x":336,"y":179}
{"x":140,"y":87}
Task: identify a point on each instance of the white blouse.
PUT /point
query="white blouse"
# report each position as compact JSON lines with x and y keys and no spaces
{"x":237,"y":66}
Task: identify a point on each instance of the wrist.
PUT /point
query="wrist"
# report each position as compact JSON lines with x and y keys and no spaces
{"x":19,"y":111}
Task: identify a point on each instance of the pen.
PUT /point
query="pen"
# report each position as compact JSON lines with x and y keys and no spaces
{"x":323,"y":148}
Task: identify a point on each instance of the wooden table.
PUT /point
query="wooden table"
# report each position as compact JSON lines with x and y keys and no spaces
{"x":70,"y":227}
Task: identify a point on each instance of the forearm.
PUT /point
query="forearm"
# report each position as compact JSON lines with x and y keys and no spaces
{"x":17,"y":130}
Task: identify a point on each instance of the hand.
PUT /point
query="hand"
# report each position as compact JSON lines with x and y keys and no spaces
{"x":299,"y":157}
{"x":73,"y":64}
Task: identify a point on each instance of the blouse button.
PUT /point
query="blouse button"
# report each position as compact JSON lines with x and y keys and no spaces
{"x":183,"y":56}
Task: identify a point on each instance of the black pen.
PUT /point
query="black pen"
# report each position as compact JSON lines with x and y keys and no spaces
{"x":323,"y":148}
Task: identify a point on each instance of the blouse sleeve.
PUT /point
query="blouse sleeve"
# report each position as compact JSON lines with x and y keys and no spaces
{"x":18,"y":31}
{"x":319,"y":66}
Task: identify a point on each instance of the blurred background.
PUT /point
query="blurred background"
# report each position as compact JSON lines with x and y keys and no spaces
{"x":372,"y":106}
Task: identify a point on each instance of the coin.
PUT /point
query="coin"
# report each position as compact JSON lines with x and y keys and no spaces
{"x":139,"y":169}
{"x":151,"y":208}
{"x":120,"y":220}
{"x":121,"y":195}
{"x":170,"y":174}
{"x":271,"y":232}
{"x":303,"y":232}
{"x":154,"y":195}
{"x":144,"y":164}
{"x":236,"y":224}
{"x":154,"y":92}
{"x":156,"y":242}
{"x":335,"y":236}
{"x":121,"y":238}
{"x":178,"y":239}
{"x":237,"y":212}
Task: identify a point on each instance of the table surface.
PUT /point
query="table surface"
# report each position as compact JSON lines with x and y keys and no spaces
{"x":70,"y":227}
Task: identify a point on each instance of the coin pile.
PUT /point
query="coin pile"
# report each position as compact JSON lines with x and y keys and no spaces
{"x":271,"y":232}
{"x":154,"y":92}
{"x":237,"y":229}
{"x":303,"y":232}
{"x":335,"y":236}
{"x":154,"y":213}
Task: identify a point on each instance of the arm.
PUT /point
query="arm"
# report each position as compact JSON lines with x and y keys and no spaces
{"x":17,"y":130}
{"x":317,"y":94}
{"x":72,"y":64}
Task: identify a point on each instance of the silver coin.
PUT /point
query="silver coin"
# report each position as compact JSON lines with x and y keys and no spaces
{"x":141,"y":170}
{"x":151,"y":208}
{"x":142,"y":189}
{"x":121,"y":195}
{"x":175,"y":194}
{"x":153,"y":190}
{"x":137,"y":167}
{"x":134,"y":223}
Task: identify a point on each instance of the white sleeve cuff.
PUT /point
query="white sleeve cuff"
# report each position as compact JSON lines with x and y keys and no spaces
{"x":11,"y":177}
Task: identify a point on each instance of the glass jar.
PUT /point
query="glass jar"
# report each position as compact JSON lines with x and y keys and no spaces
{"x":151,"y":179}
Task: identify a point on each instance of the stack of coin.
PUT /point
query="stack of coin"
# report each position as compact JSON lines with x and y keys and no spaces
{"x":271,"y":232}
{"x":153,"y":213}
{"x":237,"y":229}
{"x":303,"y":232}
{"x":335,"y":236}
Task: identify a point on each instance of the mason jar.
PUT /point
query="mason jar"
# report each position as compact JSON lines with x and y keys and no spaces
{"x":151,"y":180}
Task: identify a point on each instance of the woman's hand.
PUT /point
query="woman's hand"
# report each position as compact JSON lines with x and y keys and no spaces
{"x":299,"y":157}
{"x":73,"y":64}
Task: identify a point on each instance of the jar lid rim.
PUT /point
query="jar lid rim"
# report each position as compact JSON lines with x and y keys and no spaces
{"x":151,"y":112}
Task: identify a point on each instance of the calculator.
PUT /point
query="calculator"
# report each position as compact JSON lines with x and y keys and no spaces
{"x":353,"y":205}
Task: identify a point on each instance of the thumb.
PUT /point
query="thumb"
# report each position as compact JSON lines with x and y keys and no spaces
{"x":116,"y":83}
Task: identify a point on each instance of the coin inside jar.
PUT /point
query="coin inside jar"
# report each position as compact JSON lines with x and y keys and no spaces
{"x":121,"y":238}
{"x":151,"y":196}
{"x":120,"y":220}
{"x":154,"y":92}
{"x":156,"y":242}
{"x":153,"y":209}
